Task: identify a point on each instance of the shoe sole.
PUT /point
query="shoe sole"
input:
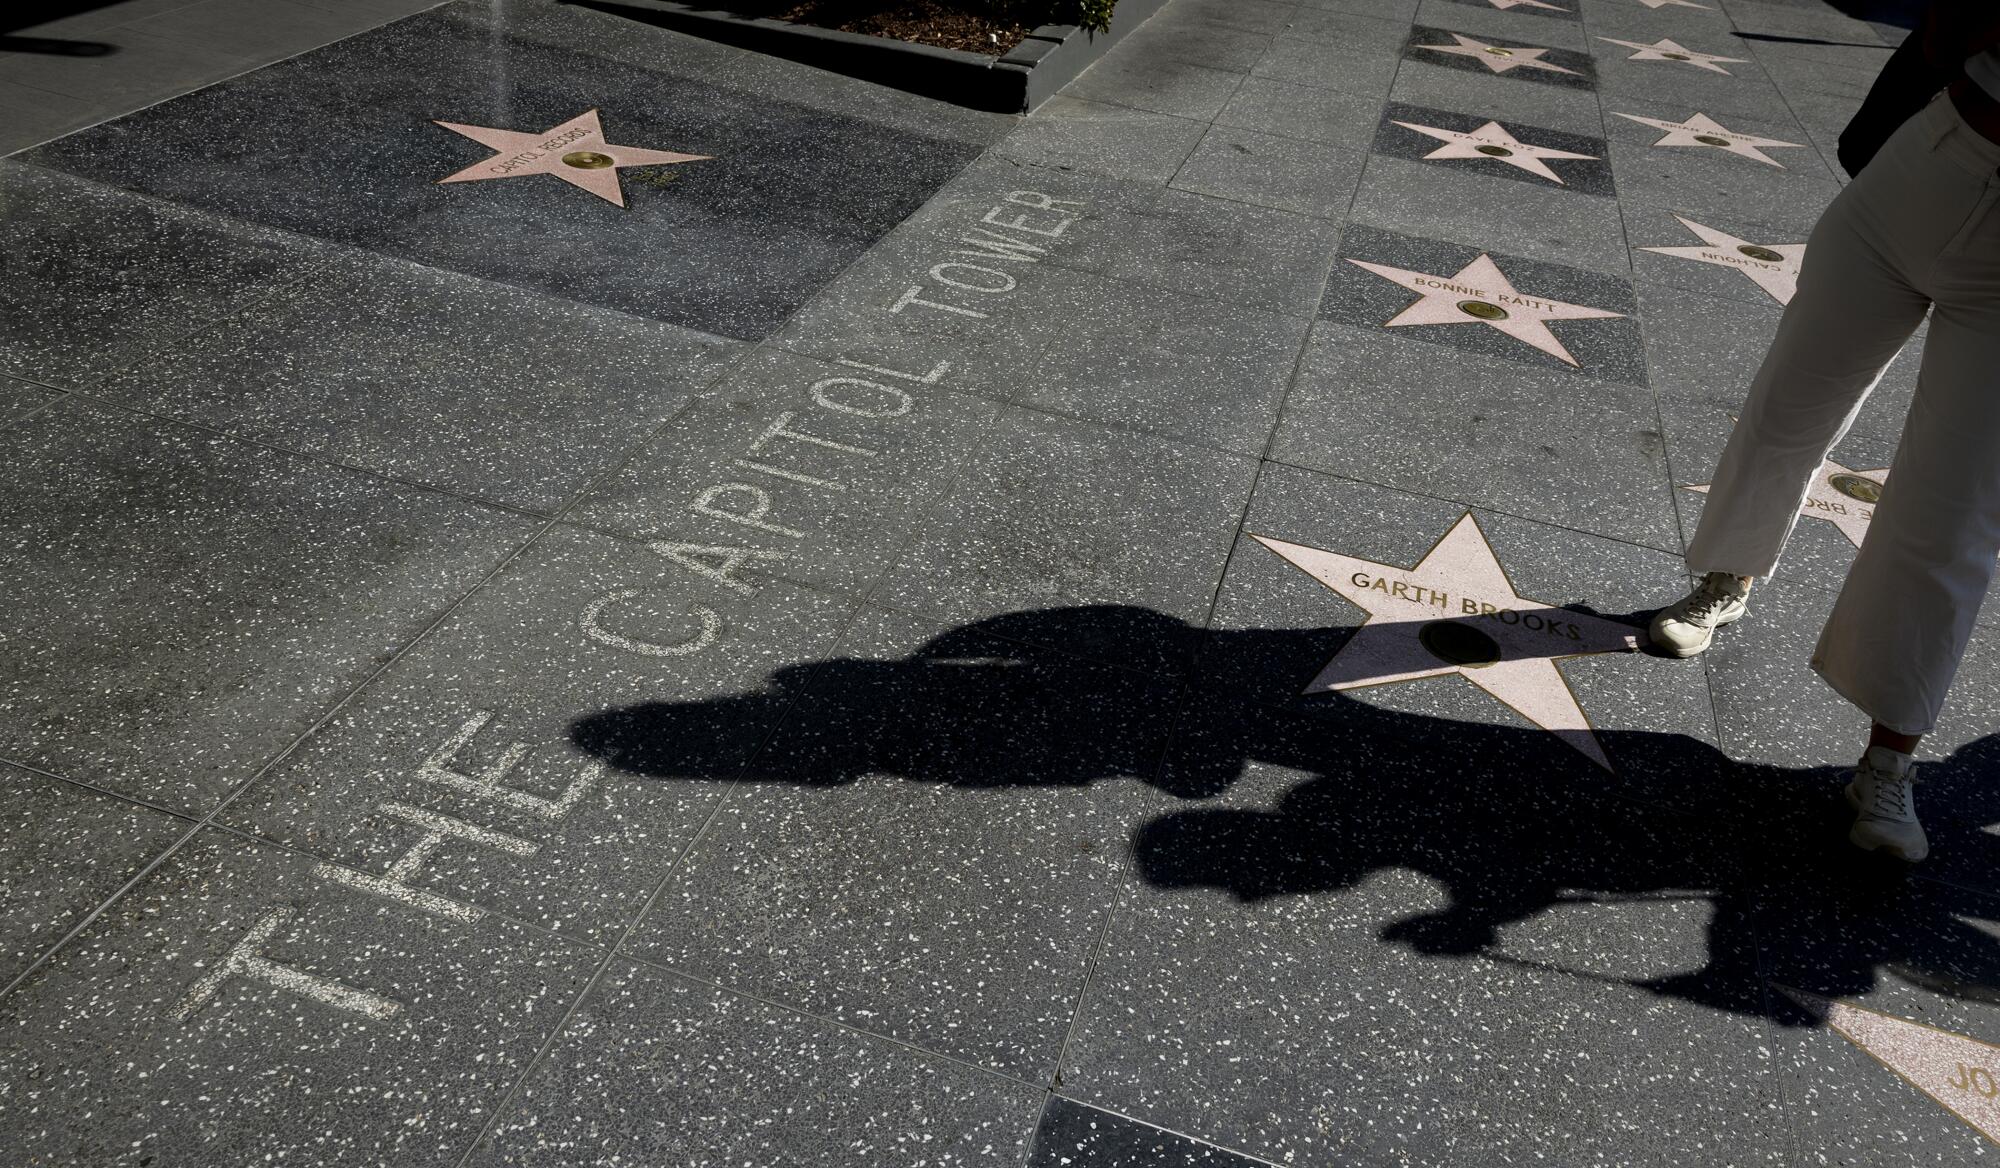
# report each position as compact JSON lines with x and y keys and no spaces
{"x":1695,"y":650}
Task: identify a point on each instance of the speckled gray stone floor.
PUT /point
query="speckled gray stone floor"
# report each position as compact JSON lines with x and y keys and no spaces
{"x":932,"y":638}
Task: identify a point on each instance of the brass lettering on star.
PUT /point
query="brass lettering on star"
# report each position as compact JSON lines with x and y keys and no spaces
{"x":504,"y":165}
{"x":1752,"y":257}
{"x":1535,"y":621}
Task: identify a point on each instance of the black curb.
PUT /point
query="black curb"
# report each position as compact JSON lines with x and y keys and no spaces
{"x":1051,"y":57}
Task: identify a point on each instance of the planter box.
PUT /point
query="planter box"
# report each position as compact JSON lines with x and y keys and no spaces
{"x":1050,"y":58}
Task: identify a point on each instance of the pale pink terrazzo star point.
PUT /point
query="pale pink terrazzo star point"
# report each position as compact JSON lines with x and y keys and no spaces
{"x":1473,"y":294}
{"x":1666,"y":50}
{"x":1961,"y":1074}
{"x":1493,"y":141}
{"x":574,"y":152}
{"x":1458,"y":587}
{"x":1848,"y":510}
{"x":1774,"y":267}
{"x":1701,"y":130}
{"x":1499,"y":58}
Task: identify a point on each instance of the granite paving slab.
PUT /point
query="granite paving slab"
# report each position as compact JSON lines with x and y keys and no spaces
{"x":1075,"y":1133}
{"x":1022,"y":530}
{"x":1271,"y":170}
{"x":1261,"y":16}
{"x":269,"y":1013}
{"x":182,"y":606}
{"x":1068,"y":342}
{"x":796,"y":1090}
{"x":19,"y":398}
{"x":1545,"y":223}
{"x":1364,"y":26}
{"x":67,"y":850}
{"x":608,"y":35}
{"x":474,"y":387}
{"x":1570,"y":111}
{"x":462,"y":780}
{"x":1147,"y":81}
{"x":1490,"y":55}
{"x":928,"y":848}
{"x":1481,"y":431}
{"x":1201,"y":41}
{"x":1589,"y":326}
{"x":1556,"y":25}
{"x":1742,"y":88}
{"x":1207,"y":247}
{"x":1068,"y":133}
{"x":1318,"y":114}
{"x":1659,"y":165}
{"x":93,"y":279}
{"x":813,"y":469}
{"x":1575,"y":161}
{"x":1359,"y":65}
{"x":788,"y":196}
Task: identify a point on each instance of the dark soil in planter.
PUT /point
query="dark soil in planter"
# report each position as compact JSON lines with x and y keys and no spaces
{"x":978,"y":26}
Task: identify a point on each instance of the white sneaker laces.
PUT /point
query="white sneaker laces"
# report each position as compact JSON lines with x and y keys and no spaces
{"x":1707,"y":601}
{"x":1891,"y":796}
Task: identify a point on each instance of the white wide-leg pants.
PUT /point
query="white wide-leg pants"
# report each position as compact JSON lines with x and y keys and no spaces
{"x":1916,"y":231}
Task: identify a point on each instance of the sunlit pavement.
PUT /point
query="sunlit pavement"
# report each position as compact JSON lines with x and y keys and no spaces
{"x":575,"y":595}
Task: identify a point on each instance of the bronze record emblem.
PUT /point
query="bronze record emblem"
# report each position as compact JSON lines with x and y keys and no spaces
{"x":1711,"y":140}
{"x":1760,"y":253}
{"x":1495,"y":151}
{"x":1457,"y":643}
{"x":1497,"y":51}
{"x":1677,"y":56}
{"x":1482,"y":310}
{"x":1856,"y":487}
{"x":587,"y":160}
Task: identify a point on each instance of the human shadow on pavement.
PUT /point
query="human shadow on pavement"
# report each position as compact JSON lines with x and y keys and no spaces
{"x":1264,"y":793}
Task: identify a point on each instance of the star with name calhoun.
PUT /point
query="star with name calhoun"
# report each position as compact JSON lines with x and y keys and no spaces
{"x":1666,"y":50}
{"x":574,"y":152}
{"x":1492,"y":141}
{"x":1456,"y":612}
{"x":1841,"y":495}
{"x":1479,"y":293}
{"x":1499,"y":58}
{"x":1702,"y":130}
{"x":1774,"y":267}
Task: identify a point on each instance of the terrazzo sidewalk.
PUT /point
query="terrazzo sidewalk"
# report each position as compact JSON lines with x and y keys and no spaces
{"x":774,"y":621}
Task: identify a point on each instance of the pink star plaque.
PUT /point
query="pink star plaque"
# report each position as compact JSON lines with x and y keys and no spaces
{"x":1479,"y":294}
{"x":1499,"y":58}
{"x":1702,"y":130}
{"x":1956,"y":1071}
{"x":1840,"y":495}
{"x":1456,"y":612}
{"x":1493,"y":141}
{"x":1666,"y":50}
{"x":1774,"y":267}
{"x":574,"y":152}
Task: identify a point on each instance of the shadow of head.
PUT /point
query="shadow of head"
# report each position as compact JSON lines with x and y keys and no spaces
{"x":1290,"y":796}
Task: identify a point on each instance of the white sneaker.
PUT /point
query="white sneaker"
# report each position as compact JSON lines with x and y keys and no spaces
{"x":1884,"y":799}
{"x":1686,"y":626}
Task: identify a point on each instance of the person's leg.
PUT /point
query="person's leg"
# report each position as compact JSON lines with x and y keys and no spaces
{"x":1857,"y":303}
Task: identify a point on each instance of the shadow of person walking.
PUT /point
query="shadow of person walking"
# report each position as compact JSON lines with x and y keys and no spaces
{"x":1509,"y":821}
